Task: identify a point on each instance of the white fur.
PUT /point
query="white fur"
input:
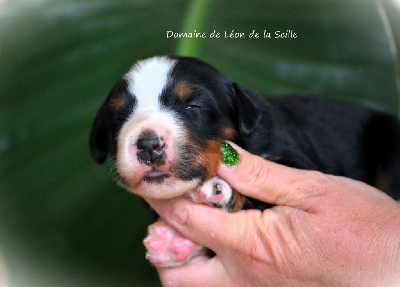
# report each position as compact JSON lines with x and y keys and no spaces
{"x":206,"y":194}
{"x":147,"y":79}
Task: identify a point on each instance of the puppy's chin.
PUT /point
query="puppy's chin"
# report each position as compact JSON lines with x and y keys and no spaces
{"x":162,"y":186}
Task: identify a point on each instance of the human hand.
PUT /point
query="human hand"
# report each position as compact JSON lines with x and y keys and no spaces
{"x":323,"y":231}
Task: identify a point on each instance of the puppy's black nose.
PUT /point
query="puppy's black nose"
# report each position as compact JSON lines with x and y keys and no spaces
{"x":151,"y":151}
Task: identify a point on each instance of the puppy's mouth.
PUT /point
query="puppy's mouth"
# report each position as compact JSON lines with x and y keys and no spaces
{"x":155,"y":176}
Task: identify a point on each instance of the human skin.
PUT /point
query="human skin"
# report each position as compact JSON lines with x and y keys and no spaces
{"x":323,"y":231}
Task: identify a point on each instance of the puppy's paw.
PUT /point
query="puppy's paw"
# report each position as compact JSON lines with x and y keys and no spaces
{"x":215,"y":192}
{"x":166,"y":247}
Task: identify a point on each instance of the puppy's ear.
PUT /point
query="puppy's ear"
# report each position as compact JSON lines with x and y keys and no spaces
{"x":246,"y":111}
{"x":109,"y":119}
{"x":99,"y":137}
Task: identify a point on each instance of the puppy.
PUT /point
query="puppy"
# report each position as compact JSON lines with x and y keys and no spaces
{"x":165,"y":120}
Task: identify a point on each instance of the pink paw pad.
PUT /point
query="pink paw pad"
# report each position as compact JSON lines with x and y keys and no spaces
{"x":166,"y":247}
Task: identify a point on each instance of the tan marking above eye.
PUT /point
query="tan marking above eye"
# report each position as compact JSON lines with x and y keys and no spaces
{"x":183,"y":92}
{"x":118,"y":102}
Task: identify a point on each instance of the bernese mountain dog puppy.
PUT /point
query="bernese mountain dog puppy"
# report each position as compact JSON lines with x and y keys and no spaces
{"x":165,"y":120}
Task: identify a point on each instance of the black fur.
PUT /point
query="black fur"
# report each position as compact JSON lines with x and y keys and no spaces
{"x":330,"y":136}
{"x":108,"y":122}
{"x":303,"y":132}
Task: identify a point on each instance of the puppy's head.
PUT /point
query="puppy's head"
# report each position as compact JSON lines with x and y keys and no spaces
{"x":163,"y":124}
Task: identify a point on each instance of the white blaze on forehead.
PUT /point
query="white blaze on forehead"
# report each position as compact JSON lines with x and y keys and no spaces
{"x":147,"y":79}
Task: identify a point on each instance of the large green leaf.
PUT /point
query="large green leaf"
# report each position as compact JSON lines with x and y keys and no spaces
{"x":63,"y":222}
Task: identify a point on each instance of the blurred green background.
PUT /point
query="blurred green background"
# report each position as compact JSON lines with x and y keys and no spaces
{"x":63,"y":221}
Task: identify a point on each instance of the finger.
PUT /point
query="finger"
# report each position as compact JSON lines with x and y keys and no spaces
{"x":207,"y":226}
{"x":200,"y":271}
{"x":271,"y":182}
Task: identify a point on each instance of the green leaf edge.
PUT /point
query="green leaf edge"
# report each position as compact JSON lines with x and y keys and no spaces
{"x":194,"y":20}
{"x":196,"y":16}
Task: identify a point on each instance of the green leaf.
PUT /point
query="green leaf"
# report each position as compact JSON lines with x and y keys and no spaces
{"x":63,"y":221}
{"x":194,"y":19}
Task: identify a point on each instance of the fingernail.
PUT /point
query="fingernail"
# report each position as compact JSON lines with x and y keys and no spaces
{"x":230,"y":156}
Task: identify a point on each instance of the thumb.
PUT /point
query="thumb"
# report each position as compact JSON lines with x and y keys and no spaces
{"x":270,"y":182}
